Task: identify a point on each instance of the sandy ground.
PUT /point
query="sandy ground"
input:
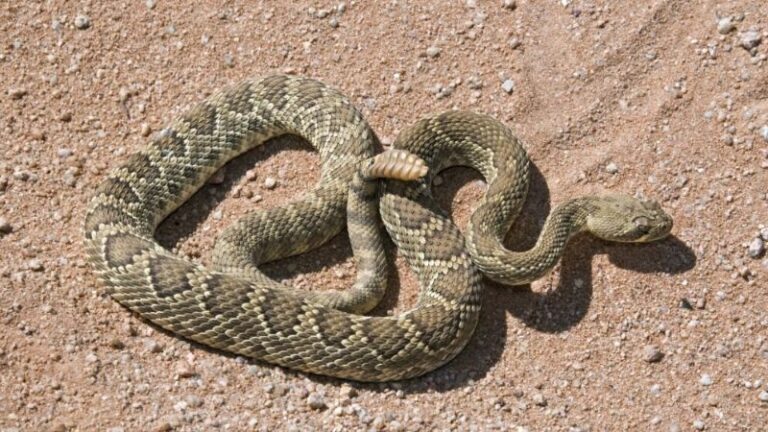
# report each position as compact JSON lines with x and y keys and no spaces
{"x":662,"y":100}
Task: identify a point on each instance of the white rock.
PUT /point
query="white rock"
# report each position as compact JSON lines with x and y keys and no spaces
{"x":751,"y":39}
{"x":82,"y":22}
{"x":725,"y":25}
{"x":764,"y":132}
{"x":508,"y":86}
{"x":756,"y":248}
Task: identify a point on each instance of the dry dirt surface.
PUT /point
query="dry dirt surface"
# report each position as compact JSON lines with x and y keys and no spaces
{"x":666,"y":99}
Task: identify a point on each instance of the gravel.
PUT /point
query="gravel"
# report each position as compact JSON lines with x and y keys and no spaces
{"x":508,"y":86}
{"x":764,"y":132}
{"x":509,"y":4}
{"x":433,"y":51}
{"x":756,"y":248}
{"x":145,"y":130}
{"x":35,"y":265}
{"x":763,"y":396}
{"x":82,"y":22}
{"x":316,"y":402}
{"x":64,"y":153}
{"x":751,"y":39}
{"x":725,"y":25}
{"x":17,"y":93}
{"x":652,"y":354}
{"x":348,"y":391}
{"x":270,"y":182}
{"x":5,"y":226}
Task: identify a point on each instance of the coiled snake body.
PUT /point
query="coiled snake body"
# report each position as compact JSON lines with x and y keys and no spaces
{"x":234,"y":307}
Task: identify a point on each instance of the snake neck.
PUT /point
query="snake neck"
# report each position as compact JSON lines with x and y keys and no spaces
{"x":522,"y":267}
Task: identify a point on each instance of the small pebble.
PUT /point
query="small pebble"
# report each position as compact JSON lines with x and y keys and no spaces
{"x":539,"y":400}
{"x":756,"y":248}
{"x":66,"y":116}
{"x":35,"y":265}
{"x":433,"y":51}
{"x":509,"y":4}
{"x":64,"y":153}
{"x":184,"y":370}
{"x":17,"y":93}
{"x":698,"y":425}
{"x":725,"y":25}
{"x":705,"y":380}
{"x":270,"y":183}
{"x":316,"y":402}
{"x":150,"y":4}
{"x":651,"y":354}
{"x":164,"y":427}
{"x":751,"y":39}
{"x":229,"y":60}
{"x":5,"y":226}
{"x":763,"y":396}
{"x":508,"y":86}
{"x":116,"y":344}
{"x":82,"y":22}
{"x":611,"y":168}
{"x":764,"y":132}
{"x":194,"y":401}
{"x":348,"y":391}
{"x":145,"y":130}
{"x":37,"y":135}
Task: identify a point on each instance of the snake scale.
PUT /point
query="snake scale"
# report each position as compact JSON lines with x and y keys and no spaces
{"x":232,"y":306}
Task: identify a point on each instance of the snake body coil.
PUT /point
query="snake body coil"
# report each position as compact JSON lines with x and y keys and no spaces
{"x":234,"y":307}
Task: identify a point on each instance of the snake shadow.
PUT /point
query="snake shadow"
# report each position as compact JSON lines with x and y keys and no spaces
{"x":553,"y":311}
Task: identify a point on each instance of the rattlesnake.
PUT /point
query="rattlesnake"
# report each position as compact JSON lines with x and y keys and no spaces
{"x":236,"y":308}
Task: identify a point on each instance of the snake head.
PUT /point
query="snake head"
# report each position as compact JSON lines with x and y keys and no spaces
{"x":622,"y":218}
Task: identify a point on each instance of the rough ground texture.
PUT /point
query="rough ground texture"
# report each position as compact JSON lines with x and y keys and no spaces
{"x":667,"y":100}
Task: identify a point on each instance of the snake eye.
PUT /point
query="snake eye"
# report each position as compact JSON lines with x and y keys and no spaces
{"x":642,"y":223}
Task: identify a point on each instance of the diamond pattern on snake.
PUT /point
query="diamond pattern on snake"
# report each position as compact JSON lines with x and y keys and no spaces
{"x":234,"y":307}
